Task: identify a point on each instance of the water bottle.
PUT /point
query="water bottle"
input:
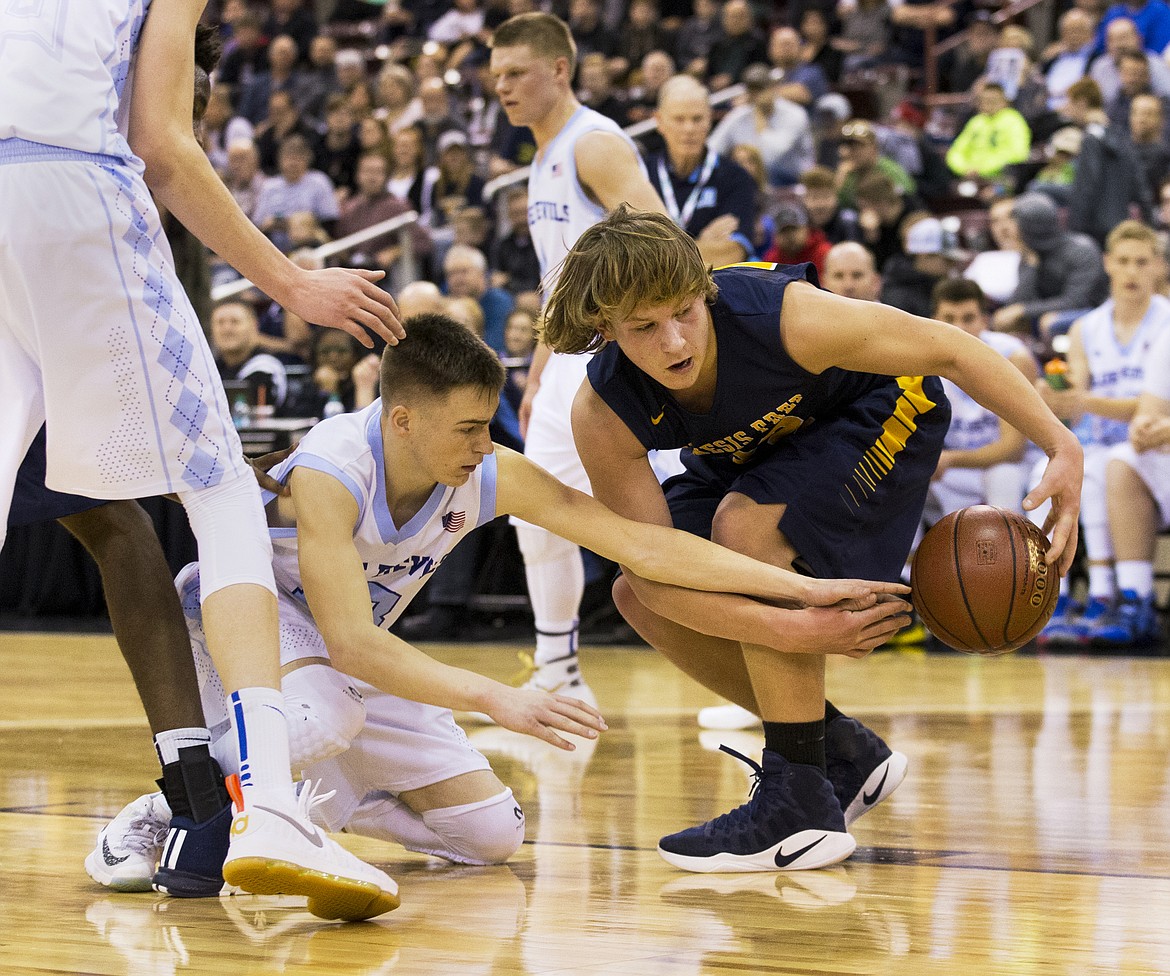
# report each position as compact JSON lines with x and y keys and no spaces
{"x":241,"y":412}
{"x":333,"y":406}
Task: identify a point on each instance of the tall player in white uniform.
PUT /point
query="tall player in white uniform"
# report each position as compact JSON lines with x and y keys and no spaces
{"x":98,"y":342}
{"x":584,"y":167}
{"x":381,"y":496}
{"x":1108,"y":353}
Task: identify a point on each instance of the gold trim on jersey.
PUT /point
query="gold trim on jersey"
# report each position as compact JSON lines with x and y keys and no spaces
{"x":879,"y":459}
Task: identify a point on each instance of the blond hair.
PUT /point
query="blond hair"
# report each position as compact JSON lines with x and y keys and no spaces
{"x":547,"y":36}
{"x":630,"y":259}
{"x":1132,"y":230}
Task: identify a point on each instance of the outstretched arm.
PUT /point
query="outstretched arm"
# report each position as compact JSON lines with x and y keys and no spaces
{"x":184,"y":182}
{"x":338,"y":595}
{"x":687,"y":579}
{"x":875,"y":338}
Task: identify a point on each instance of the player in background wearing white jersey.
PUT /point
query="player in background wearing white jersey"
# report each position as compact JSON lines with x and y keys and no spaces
{"x":381,"y":496}
{"x":981,"y":461}
{"x":1108,"y":360}
{"x":1137,"y":480}
{"x":97,"y":108}
{"x":584,"y":167}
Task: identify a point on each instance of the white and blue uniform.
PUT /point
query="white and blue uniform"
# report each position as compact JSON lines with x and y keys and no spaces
{"x":96,"y":334}
{"x":974,"y":426}
{"x":1117,"y":372}
{"x":1153,"y":467}
{"x":559,"y":212}
{"x":403,"y":745}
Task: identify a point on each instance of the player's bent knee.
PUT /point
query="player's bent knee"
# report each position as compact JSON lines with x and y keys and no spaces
{"x":325,"y":712}
{"x":485,"y":832}
{"x":229,"y":525}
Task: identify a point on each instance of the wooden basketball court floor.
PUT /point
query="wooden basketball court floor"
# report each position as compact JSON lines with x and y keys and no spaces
{"x":1032,"y":835}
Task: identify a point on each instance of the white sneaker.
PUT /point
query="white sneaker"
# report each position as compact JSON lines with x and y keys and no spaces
{"x":560,"y":677}
{"x":278,"y":851}
{"x":129,"y":846}
{"x":727,"y":717}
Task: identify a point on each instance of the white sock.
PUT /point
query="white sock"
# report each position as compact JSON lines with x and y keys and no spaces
{"x":556,"y":583}
{"x":262,"y":735}
{"x":168,"y":743}
{"x":1101,"y":581}
{"x":1136,"y":575}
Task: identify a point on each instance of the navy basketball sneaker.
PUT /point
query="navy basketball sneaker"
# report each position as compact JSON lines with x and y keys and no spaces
{"x":862,"y":768}
{"x":791,"y":822}
{"x":191,"y":863}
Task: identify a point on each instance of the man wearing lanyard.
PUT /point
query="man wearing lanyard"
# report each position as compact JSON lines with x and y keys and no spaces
{"x":711,"y":197}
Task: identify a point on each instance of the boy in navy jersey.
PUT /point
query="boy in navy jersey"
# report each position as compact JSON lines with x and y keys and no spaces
{"x":811,"y":427}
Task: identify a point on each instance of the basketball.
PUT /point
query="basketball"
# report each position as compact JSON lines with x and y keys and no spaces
{"x":979,"y":581}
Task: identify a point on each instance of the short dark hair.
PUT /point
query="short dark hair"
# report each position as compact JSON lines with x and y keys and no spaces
{"x":547,"y":36}
{"x":955,"y":291}
{"x":208,"y":47}
{"x":437,"y":356}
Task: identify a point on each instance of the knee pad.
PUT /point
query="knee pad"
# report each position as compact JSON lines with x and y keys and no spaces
{"x":486,"y":832}
{"x":229,"y":525}
{"x":325,"y":712}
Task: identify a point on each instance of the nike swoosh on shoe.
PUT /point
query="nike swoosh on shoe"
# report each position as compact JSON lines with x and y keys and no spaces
{"x":869,"y":799}
{"x":108,"y":855}
{"x":310,"y":835}
{"x":783,"y":860}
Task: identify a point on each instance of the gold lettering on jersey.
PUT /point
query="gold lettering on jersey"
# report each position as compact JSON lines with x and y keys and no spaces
{"x":767,"y":430}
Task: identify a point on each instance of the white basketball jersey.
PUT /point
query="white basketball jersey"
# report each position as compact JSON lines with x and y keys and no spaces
{"x":398,"y":561}
{"x":1117,"y":371}
{"x":972,"y":425}
{"x":64,"y":72}
{"x":559,"y":210}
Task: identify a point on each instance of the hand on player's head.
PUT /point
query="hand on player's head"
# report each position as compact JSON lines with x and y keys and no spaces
{"x":348,"y":299}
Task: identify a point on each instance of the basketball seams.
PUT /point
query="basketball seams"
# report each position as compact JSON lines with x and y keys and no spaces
{"x":959,"y":577}
{"x":1011,"y":609}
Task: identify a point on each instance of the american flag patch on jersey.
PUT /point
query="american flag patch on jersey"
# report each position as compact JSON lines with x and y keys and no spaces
{"x":453,"y":521}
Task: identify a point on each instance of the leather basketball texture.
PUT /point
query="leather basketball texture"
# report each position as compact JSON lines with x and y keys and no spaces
{"x":979,"y":581}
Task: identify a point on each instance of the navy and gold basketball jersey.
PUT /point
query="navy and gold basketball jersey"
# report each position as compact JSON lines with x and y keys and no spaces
{"x":848,"y":454}
{"x":761,"y":394}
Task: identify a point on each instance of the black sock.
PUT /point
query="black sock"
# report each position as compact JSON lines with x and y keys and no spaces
{"x":831,"y":711}
{"x":798,"y":742}
{"x":194,"y":785}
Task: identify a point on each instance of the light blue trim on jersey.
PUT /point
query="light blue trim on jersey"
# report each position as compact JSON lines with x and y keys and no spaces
{"x":317,"y":463}
{"x":487,"y":490}
{"x":129,"y":30}
{"x":282,"y":533}
{"x":25,"y":151}
{"x":145,"y":372}
{"x":387,"y":530}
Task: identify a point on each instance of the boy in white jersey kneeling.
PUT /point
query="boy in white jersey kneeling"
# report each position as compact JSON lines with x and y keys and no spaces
{"x":1108,"y":361}
{"x":381,"y":496}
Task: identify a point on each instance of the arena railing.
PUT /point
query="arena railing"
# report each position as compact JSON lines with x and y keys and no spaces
{"x":406,"y":266}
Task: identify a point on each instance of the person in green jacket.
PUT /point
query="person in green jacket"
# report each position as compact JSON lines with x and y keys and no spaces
{"x":995,"y":137}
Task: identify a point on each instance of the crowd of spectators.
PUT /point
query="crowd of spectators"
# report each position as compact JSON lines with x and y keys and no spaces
{"x":1042,"y":132}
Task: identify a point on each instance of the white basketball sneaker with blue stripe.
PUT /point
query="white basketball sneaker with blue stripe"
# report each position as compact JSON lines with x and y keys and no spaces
{"x":129,"y":846}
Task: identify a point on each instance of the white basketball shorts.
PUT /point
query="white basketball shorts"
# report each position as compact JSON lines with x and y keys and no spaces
{"x":109,"y":350}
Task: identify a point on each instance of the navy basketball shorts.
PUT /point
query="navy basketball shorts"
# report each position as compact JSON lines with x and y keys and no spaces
{"x":32,"y":502}
{"x":854,"y":484}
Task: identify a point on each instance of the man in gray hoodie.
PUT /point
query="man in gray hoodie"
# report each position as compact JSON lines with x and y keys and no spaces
{"x":1061,"y":276}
